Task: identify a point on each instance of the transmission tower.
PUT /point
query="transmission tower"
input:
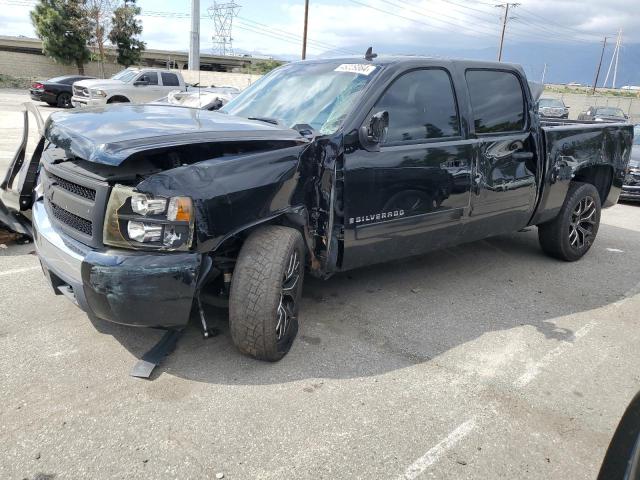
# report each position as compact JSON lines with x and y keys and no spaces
{"x":223,"y":15}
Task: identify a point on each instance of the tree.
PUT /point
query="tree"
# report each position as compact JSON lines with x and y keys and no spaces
{"x":99,"y":13}
{"x":64,"y":30}
{"x":125,"y":27}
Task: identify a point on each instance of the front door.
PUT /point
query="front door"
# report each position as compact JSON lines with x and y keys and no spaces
{"x":410,"y":196}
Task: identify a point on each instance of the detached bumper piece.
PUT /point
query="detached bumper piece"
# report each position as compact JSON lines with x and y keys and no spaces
{"x":150,"y":360}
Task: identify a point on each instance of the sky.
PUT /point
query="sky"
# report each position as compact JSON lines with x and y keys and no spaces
{"x":274,"y":27}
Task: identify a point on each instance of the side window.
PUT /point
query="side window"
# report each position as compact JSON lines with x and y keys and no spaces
{"x":497,"y":101}
{"x":170,"y":80}
{"x":421,"y":106}
{"x":151,"y":77}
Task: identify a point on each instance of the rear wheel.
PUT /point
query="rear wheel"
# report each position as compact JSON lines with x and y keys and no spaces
{"x":64,"y":100}
{"x":265,"y":292}
{"x":570,"y":235}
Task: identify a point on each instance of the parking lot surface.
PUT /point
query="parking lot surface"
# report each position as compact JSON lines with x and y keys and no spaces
{"x":489,"y":360}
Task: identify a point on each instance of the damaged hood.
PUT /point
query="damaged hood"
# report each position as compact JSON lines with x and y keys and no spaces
{"x":111,"y":134}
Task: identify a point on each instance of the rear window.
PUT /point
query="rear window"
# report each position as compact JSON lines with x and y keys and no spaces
{"x":170,"y":80}
{"x":497,"y":101}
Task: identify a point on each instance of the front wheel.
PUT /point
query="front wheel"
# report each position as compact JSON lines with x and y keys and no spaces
{"x":265,"y":292}
{"x":570,"y":235}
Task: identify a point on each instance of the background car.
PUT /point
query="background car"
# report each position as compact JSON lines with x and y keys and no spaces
{"x":631,"y":186}
{"x":552,"y":108}
{"x":603,"y":114}
{"x":56,"y":91}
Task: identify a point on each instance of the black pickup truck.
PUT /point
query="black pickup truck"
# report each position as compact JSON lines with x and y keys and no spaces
{"x":141,"y":211}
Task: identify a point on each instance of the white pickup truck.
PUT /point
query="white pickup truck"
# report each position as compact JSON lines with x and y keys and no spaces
{"x":135,"y":85}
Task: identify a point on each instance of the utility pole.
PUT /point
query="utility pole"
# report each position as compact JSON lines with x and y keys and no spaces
{"x":506,"y":7}
{"x":595,"y":82}
{"x":194,"y":44}
{"x":614,"y":58}
{"x":304,"y":34}
{"x":544,"y":73}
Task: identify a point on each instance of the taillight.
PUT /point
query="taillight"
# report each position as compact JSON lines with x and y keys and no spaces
{"x":38,"y":86}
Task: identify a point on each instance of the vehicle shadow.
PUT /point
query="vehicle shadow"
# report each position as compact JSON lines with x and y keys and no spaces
{"x":382,"y":318}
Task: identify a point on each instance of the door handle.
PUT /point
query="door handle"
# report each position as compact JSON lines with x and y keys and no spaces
{"x":522,"y":156}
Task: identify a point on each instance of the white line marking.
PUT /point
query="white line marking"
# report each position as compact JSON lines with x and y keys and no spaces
{"x":418,"y":467}
{"x":615,"y":250}
{"x":18,"y":270}
{"x":534,"y":369}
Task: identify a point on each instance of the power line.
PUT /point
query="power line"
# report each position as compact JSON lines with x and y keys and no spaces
{"x":387,"y":12}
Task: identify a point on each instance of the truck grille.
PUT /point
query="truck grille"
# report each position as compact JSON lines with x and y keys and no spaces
{"x":74,"y":221}
{"x":75,"y":203}
{"x":85,"y":192}
{"x":80,"y":91}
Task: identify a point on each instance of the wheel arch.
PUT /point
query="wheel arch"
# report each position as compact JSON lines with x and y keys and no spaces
{"x":295,"y":218}
{"x":598,"y":175}
{"x":118,"y":98}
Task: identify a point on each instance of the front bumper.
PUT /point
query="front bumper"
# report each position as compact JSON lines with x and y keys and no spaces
{"x":630,"y":193}
{"x":79,"y":102}
{"x":132,"y":288}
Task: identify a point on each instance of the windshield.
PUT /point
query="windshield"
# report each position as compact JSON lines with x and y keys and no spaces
{"x":551,"y":102}
{"x":613,"y":112}
{"x":125,"y":75}
{"x":316,"y":94}
{"x":636,"y":135}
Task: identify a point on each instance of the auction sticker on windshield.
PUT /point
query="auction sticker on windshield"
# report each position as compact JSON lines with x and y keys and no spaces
{"x":362,"y":69}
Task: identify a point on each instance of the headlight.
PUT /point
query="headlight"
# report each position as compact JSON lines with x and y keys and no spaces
{"x":139,"y":221}
{"x":99,"y":93}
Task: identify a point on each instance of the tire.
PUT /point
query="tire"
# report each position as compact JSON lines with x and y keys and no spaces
{"x":570,"y":235}
{"x":265,"y":292}
{"x":64,"y":100}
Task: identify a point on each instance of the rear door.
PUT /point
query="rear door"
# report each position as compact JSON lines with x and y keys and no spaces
{"x":504,"y":181}
{"x":152,"y":91}
{"x":170,"y":82}
{"x":410,"y":196}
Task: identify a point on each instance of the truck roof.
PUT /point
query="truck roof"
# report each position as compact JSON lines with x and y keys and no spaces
{"x":385,"y":60}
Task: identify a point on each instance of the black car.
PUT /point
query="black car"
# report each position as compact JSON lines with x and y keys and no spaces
{"x":56,"y":91}
{"x":603,"y":114}
{"x":631,"y":187}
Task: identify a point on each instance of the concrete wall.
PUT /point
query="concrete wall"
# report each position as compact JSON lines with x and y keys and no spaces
{"x":39,"y":67}
{"x":578,"y":103}
{"x":219,"y":79}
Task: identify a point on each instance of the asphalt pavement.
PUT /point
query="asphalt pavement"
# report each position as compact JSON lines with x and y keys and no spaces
{"x":484,"y":361}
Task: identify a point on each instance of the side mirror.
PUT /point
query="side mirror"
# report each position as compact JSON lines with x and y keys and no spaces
{"x":378,"y":127}
{"x":140,"y":83}
{"x":375,"y":133}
